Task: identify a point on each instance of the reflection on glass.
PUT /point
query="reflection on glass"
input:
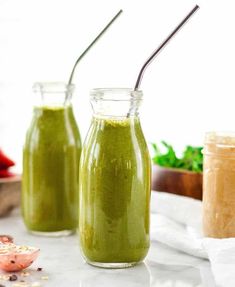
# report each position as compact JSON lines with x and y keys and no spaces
{"x":138,"y":276}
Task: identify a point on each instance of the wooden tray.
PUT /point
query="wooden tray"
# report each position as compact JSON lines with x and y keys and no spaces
{"x":177,"y":181}
{"x":10,"y":189}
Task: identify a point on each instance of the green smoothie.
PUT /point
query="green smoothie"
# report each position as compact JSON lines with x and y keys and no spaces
{"x":50,"y":170}
{"x":114,"y":192}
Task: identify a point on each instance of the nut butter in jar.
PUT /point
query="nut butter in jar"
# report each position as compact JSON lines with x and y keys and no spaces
{"x":219,"y":185}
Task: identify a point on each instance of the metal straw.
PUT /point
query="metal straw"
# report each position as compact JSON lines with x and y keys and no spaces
{"x":162,"y":45}
{"x":92,"y":43}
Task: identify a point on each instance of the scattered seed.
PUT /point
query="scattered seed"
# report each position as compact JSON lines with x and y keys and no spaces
{"x":13,"y":277}
{"x":39,"y":269}
{"x":25,"y":274}
{"x":44,"y":277}
{"x":18,"y":284}
{"x":12,"y":261}
{"x":36,"y":284}
{"x":9,"y":248}
{"x":4,"y":277}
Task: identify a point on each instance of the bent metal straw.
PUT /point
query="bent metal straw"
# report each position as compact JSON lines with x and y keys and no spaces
{"x":162,"y":45}
{"x":92,"y":43}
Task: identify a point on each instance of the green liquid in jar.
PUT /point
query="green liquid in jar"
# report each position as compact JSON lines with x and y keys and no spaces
{"x":114,"y":192}
{"x":51,"y":158}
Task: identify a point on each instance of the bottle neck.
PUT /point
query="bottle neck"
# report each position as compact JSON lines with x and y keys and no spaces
{"x":115,"y":103}
{"x":53,"y":94}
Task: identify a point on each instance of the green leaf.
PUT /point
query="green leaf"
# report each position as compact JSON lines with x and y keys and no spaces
{"x":192,"y":157}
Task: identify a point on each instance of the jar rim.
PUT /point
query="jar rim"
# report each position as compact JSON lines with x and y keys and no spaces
{"x":222,"y":138}
{"x":116,"y":94}
{"x":53,"y":87}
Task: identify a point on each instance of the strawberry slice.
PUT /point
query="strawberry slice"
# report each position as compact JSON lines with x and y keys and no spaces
{"x":5,"y":161}
{"x":6,"y":173}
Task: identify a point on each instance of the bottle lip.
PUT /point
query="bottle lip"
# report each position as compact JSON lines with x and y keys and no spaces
{"x":53,"y":87}
{"x":116,"y":94}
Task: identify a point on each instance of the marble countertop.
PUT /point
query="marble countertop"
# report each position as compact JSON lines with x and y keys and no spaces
{"x":63,"y":265}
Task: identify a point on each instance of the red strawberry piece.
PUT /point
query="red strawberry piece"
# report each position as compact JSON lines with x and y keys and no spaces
{"x":6,"y":173}
{"x":6,"y":239}
{"x":5,"y":161}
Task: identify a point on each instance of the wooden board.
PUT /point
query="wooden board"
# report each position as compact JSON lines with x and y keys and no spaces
{"x":10,"y":189}
{"x":186,"y":183}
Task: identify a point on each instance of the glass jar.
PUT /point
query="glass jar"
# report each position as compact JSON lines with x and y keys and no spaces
{"x":115,"y":173}
{"x":219,"y":185}
{"x":51,"y":156}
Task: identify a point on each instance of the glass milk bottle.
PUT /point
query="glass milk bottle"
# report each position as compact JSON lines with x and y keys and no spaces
{"x":115,"y":173}
{"x":51,"y":156}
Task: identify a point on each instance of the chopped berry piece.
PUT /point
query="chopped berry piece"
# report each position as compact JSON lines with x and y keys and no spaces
{"x":5,"y":173}
{"x":13,"y":277}
{"x":6,"y":239}
{"x":5,"y":161}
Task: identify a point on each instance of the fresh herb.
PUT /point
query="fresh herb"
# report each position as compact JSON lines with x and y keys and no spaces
{"x":192,"y":158}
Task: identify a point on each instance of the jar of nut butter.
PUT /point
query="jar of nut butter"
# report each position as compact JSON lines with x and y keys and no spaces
{"x":219,"y":185}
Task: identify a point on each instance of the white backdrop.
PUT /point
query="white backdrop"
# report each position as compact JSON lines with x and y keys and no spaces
{"x":188,"y":90}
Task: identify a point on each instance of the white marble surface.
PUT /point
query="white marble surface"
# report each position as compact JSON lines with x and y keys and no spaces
{"x":61,"y":261}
